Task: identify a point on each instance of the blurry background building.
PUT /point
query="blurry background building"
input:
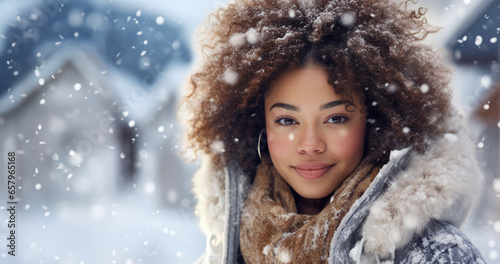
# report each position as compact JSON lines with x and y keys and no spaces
{"x":88,"y":95}
{"x":475,"y":51}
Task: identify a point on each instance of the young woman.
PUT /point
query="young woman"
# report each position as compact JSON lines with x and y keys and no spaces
{"x":329,"y":137}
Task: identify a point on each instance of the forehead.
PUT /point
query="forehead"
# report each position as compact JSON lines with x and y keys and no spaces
{"x":307,"y":85}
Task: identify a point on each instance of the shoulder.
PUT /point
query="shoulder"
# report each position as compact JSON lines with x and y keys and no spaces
{"x":220,"y":193}
{"x":439,"y":242}
{"x":443,"y":183}
{"x":209,"y":188}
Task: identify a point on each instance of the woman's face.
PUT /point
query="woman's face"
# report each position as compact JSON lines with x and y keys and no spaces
{"x":314,"y":142}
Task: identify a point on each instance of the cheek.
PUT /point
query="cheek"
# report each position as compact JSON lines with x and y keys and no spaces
{"x":350,"y":142}
{"x":279,"y":145}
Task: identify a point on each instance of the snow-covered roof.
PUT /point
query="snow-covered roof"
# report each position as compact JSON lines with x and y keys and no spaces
{"x":77,"y":56}
{"x":135,"y":42}
{"x":478,"y":38}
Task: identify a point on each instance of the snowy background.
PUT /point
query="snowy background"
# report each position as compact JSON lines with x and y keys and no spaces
{"x":88,"y":96}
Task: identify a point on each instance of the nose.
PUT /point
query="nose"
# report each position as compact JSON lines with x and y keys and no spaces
{"x":311,"y":142}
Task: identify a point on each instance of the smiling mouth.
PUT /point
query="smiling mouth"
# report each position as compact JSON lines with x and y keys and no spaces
{"x":311,"y":172}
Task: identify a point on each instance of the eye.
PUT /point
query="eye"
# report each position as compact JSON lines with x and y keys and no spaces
{"x":285,"y":121}
{"x":337,"y":119}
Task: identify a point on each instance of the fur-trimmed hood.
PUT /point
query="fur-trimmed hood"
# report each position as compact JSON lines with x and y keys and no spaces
{"x":443,"y":184}
{"x":409,"y":192}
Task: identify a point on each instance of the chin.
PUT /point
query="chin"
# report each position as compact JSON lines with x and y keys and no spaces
{"x":312,"y":195}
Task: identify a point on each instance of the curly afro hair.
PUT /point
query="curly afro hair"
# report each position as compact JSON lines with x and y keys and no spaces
{"x":369,"y":47}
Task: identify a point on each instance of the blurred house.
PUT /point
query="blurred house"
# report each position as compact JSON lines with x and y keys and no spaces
{"x":82,"y":87}
{"x":88,"y":99}
{"x":476,"y":53}
{"x":70,"y":141}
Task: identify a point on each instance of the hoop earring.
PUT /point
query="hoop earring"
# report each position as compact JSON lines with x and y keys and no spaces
{"x":258,"y":143}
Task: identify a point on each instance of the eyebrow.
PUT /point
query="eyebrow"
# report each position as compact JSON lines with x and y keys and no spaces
{"x":322,"y":107}
{"x":335,"y":103}
{"x":285,"y":106}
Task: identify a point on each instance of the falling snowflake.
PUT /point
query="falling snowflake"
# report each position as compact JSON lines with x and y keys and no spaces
{"x":424,"y":88}
{"x":478,"y":41}
{"x":347,"y":19}
{"x":252,"y":36}
{"x":285,"y":256}
{"x":485,"y":81}
{"x":77,"y":86}
{"x":176,"y":44}
{"x":230,"y":77}
{"x":491,"y":243}
{"x":493,"y":255}
{"x":172,"y":196}
{"x":149,"y":187}
{"x":391,"y":88}
{"x":160,"y":20}
{"x":237,"y":40}
{"x":75,"y":158}
{"x":217,"y":146}
{"x":496,"y":227}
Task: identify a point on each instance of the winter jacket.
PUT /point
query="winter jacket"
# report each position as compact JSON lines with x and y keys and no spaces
{"x":411,"y":213}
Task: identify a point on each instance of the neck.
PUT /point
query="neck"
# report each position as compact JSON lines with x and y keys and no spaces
{"x":309,"y":206}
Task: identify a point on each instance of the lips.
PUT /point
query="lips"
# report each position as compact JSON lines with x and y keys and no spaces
{"x":312,"y":170}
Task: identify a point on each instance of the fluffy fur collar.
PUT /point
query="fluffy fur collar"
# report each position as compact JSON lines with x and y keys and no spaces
{"x":443,"y":183}
{"x":209,"y":187}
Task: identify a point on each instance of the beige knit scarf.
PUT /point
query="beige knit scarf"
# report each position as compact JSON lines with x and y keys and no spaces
{"x":272,"y":231}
